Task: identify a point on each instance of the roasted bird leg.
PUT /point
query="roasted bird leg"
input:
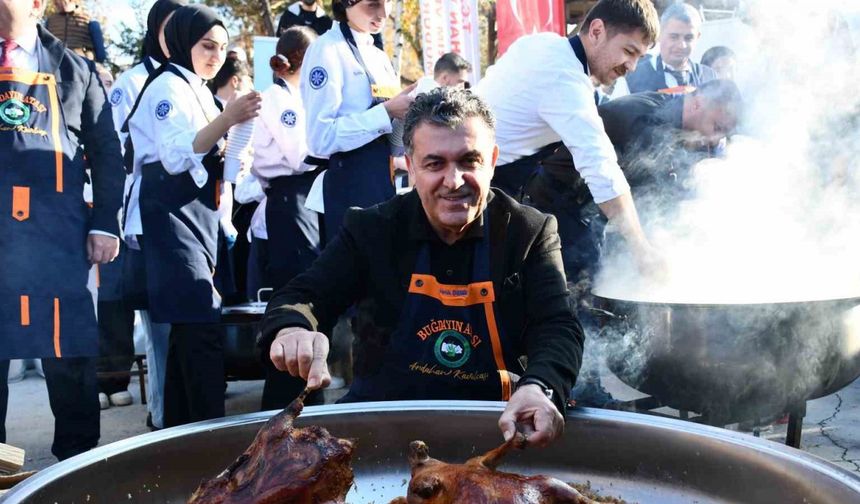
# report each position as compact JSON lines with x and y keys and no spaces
{"x":478,"y":482}
{"x":284,"y":464}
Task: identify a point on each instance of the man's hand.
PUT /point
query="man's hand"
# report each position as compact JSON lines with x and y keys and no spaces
{"x":537,"y":417}
{"x":102,"y":249}
{"x":302,"y":353}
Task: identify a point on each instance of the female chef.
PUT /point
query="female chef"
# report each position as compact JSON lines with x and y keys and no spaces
{"x":177,"y":132}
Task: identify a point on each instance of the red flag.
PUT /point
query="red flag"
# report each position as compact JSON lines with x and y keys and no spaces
{"x":516,"y":18}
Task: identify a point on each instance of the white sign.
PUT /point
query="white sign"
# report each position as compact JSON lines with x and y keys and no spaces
{"x":450,"y":26}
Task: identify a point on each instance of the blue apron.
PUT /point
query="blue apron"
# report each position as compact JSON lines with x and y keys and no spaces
{"x":45,"y":307}
{"x":361,"y":177}
{"x":180,"y":241}
{"x":447,"y":344}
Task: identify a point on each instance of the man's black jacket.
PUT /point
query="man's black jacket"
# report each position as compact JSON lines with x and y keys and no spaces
{"x":371,"y":261}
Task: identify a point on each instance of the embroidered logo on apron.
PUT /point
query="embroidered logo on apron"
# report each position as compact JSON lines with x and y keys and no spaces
{"x":14,"y":113}
{"x":452,"y":349}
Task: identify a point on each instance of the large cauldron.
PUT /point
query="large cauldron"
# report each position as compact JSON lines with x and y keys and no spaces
{"x":733,"y":362}
{"x":644,"y":459}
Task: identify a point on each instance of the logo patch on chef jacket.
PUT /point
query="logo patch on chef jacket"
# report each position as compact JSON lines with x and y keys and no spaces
{"x":288,"y":118}
{"x":162,"y":110}
{"x":452,"y":349}
{"x":318,"y":77}
{"x":115,"y":96}
{"x":14,"y":112}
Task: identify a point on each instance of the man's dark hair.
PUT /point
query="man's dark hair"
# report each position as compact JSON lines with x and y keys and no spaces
{"x":625,"y":16}
{"x":724,"y":94}
{"x":715,"y":53}
{"x":447,"y":107}
{"x":452,"y":63}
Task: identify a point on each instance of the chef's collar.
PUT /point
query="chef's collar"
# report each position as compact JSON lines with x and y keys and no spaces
{"x":421,"y":230}
{"x":193,"y":79}
{"x":362,"y":39}
{"x":27,"y":42}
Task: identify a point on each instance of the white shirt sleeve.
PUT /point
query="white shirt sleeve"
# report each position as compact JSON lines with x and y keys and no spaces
{"x":322,"y":86}
{"x":174,"y":131}
{"x":570,"y":111}
{"x":121,"y":103}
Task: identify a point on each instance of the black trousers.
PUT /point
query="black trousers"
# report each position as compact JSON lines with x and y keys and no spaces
{"x":194,"y":381}
{"x":116,"y":344}
{"x":73,"y":396}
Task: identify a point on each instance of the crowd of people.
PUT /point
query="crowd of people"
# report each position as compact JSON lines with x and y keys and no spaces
{"x":451,"y":289}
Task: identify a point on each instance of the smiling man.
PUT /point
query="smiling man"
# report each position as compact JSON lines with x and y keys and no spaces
{"x":542,"y":92}
{"x":672,"y":69}
{"x":454,"y":284}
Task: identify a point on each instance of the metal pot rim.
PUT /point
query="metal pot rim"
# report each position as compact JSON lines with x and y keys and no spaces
{"x":845,"y":300}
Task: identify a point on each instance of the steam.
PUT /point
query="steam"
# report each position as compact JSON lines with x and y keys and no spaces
{"x":772,"y":225}
{"x":778,"y":218}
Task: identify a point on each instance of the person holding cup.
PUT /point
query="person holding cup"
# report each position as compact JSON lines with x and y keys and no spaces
{"x":177,"y":132}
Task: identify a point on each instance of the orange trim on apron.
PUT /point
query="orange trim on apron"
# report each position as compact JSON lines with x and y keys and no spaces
{"x":218,"y":194}
{"x":25,"y":310}
{"x":467,"y":295}
{"x":98,"y":276}
{"x":452,"y":295}
{"x":677,"y":90}
{"x":43,"y":79}
{"x":57,"y":351}
{"x":20,"y":203}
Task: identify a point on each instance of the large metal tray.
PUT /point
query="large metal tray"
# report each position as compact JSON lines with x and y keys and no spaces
{"x":641,"y":458}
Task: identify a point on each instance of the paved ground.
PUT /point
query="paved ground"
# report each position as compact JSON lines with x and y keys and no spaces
{"x":831,"y":427}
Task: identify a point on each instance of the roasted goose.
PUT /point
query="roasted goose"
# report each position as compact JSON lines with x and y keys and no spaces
{"x":284,"y":464}
{"x":478,"y":482}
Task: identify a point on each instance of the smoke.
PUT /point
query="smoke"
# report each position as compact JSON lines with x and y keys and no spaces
{"x":778,"y":218}
{"x":771,"y":225}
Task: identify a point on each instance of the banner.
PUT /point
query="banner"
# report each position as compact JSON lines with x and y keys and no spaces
{"x":450,"y":26}
{"x":515,"y":18}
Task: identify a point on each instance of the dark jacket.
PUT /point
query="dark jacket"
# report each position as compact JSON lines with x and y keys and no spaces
{"x":371,"y":261}
{"x":88,"y":117}
{"x":647,"y":78}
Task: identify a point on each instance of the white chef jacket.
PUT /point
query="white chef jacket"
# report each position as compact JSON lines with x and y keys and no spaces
{"x":280,"y":145}
{"x":540,"y":94}
{"x":170,"y":114}
{"x":337,"y":96}
{"x":123,"y":94}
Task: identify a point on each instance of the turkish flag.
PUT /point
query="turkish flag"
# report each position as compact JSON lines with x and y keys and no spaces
{"x":515,"y":18}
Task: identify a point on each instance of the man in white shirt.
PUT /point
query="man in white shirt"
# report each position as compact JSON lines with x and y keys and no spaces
{"x":542,"y":92}
{"x":672,"y":69}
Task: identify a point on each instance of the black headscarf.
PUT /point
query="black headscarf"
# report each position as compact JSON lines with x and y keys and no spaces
{"x":187,"y":26}
{"x":157,"y":14}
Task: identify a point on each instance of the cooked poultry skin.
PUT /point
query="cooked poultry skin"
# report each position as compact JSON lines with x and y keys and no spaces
{"x":478,"y":482}
{"x":284,"y":465}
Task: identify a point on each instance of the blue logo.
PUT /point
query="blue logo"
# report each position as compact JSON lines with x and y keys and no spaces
{"x":162,"y":110}
{"x":318,"y":77}
{"x":289,"y":118}
{"x":115,"y":96}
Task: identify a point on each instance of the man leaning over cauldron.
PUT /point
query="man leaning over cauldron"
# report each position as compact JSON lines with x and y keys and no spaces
{"x":658,"y":138}
{"x":453,"y":283}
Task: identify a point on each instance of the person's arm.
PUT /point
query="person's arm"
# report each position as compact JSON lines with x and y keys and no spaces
{"x":318,"y":296}
{"x":572,"y":114}
{"x":101,"y":146}
{"x":322,"y":85}
{"x":553,"y":340}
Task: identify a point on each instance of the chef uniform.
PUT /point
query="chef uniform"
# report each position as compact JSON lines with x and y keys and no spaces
{"x":179,"y":216}
{"x":52,"y":103}
{"x":123,"y":96}
{"x":541,"y":94}
{"x":345,"y":80}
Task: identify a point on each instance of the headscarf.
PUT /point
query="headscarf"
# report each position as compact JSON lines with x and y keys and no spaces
{"x":187,"y":26}
{"x":157,"y":14}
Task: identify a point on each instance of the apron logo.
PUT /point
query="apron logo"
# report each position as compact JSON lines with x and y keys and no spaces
{"x":452,"y":349}
{"x":289,"y":118}
{"x":14,"y":112}
{"x":162,"y":110}
{"x":318,"y":77}
{"x":115,"y":96}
